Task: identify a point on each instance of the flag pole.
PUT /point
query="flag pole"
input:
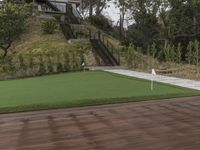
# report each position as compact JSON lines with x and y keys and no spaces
{"x":153,"y":73}
{"x":152,"y":83}
{"x":83,"y":65}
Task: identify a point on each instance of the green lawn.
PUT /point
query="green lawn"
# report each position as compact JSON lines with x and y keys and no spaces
{"x":80,"y":89}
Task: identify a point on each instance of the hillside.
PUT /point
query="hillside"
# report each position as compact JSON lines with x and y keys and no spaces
{"x":36,"y":53}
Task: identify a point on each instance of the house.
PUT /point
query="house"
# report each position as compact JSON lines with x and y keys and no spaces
{"x":1,"y":3}
{"x":61,"y":5}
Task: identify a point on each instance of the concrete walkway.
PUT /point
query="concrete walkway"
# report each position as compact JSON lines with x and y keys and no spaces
{"x":159,"y":78}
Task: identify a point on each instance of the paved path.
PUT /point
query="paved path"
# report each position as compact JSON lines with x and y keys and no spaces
{"x":159,"y":78}
{"x":155,"y":125}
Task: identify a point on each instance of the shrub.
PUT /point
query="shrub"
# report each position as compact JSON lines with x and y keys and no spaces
{"x":130,"y":55}
{"x":66,"y":62}
{"x":178,"y":53}
{"x":101,"y":22}
{"x":189,"y":54}
{"x":41,"y":70}
{"x":59,"y":64}
{"x":49,"y":64}
{"x":12,"y":24}
{"x":21,"y":62}
{"x":196,"y":53}
{"x":49,"y":26}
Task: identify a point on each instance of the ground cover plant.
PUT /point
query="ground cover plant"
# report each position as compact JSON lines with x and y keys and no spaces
{"x":80,"y":89}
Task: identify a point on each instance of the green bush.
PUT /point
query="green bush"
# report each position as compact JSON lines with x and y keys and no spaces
{"x":49,"y":64}
{"x":59,"y":64}
{"x":49,"y":26}
{"x":21,"y":62}
{"x":41,"y":70}
{"x":101,"y":22}
{"x":130,"y":55}
{"x":66,"y":62}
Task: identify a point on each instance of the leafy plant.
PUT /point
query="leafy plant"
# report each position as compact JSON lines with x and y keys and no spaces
{"x":21,"y":62}
{"x":59,"y":64}
{"x":153,"y":52}
{"x":130,"y":55}
{"x":41,"y":66}
{"x":101,"y":22}
{"x":196,"y":54}
{"x":178,"y":53}
{"x":12,"y":18}
{"x":189,"y":54}
{"x":49,"y":64}
{"x":49,"y":26}
{"x":66,"y":61}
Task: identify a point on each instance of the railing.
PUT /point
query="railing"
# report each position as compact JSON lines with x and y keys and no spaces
{"x":66,"y":29}
{"x":52,"y":5}
{"x":61,"y":7}
{"x":115,"y":51}
{"x":88,"y":31}
{"x":75,"y":12}
{"x":75,"y":1}
{"x":91,"y":32}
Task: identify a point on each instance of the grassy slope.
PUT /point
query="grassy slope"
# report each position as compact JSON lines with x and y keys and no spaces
{"x":35,"y":41}
{"x":80,"y":89}
{"x":42,"y":48}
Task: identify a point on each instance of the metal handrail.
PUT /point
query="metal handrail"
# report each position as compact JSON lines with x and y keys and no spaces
{"x":93,"y":33}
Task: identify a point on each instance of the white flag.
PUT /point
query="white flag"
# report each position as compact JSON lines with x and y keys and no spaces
{"x":153,"y":72}
{"x":83,"y":64}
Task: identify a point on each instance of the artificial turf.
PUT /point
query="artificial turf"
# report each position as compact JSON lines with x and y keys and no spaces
{"x":80,"y":89}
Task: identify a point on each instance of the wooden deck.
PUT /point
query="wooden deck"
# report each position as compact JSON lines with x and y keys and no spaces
{"x":156,"y":125}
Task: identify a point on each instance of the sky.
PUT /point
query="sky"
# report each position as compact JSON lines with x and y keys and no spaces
{"x":112,"y":12}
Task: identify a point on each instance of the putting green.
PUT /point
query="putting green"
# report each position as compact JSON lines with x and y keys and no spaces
{"x":80,"y":89}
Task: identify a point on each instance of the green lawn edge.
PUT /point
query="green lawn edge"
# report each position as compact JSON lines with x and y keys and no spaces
{"x":90,"y":102}
{"x":105,"y":101}
{"x":145,"y":80}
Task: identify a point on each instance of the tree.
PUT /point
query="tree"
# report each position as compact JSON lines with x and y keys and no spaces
{"x":175,"y":21}
{"x":183,"y":22}
{"x":96,"y":6}
{"x":102,"y":23}
{"x":12,"y":18}
{"x":123,"y":6}
{"x":145,"y":29}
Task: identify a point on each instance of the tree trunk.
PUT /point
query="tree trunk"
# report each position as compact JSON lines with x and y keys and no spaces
{"x":122,"y":17}
{"x":91,"y":8}
{"x":5,"y":53}
{"x":98,"y":8}
{"x":5,"y":49}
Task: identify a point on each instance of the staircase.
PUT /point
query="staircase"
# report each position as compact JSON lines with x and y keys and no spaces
{"x":64,"y":22}
{"x":99,"y":46}
{"x":104,"y":53}
{"x":67,"y":31}
{"x":72,"y":19}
